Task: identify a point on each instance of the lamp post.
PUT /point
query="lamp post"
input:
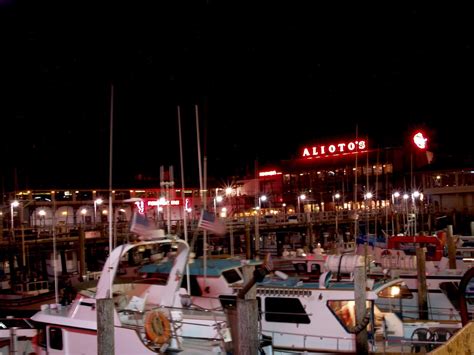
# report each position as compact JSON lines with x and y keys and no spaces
{"x":395,"y":197}
{"x":217,"y":199}
{"x":335,"y":200}
{"x":42,"y":214}
{"x":160,"y":211}
{"x":13,"y":205}
{"x":408,"y":222}
{"x":97,"y":202}
{"x":367,"y":197}
{"x":257,"y":226}
{"x":414,"y":196}
{"x":301,"y":198}
{"x":83,"y":214}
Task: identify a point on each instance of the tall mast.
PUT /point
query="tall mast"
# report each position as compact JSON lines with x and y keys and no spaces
{"x":184,"y":207}
{"x":112,"y":240}
{"x":356,"y":223}
{"x":202,"y":188}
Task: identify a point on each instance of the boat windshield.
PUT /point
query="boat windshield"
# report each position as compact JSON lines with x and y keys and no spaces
{"x":345,"y":311}
{"x":231,"y":276}
{"x":399,"y":290}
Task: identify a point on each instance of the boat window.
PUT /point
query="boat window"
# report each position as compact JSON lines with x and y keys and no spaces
{"x":285,"y":310}
{"x":193,"y":283}
{"x":344,"y":312}
{"x":231,"y":276}
{"x":228,"y":301}
{"x":399,"y":290}
{"x":55,"y":338}
{"x":41,"y":338}
{"x":300,"y":268}
{"x":470,"y":292}
{"x":451,"y":290}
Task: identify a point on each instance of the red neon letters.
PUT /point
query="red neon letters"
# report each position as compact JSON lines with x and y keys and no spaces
{"x":334,"y":149}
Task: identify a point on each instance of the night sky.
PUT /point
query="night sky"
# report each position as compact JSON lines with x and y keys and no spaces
{"x":267,"y":77}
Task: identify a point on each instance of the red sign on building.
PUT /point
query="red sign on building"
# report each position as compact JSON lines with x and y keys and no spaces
{"x":341,"y":148}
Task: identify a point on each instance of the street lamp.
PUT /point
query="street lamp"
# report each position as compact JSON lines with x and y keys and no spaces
{"x":408,"y":222}
{"x":301,"y":197}
{"x":42,"y":214}
{"x":13,"y":205}
{"x":97,"y":202}
{"x":257,"y":227}
{"x":217,"y":199}
{"x":368,"y":196}
{"x":83,"y":214}
{"x":335,"y":200}
{"x":414,"y":196}
{"x":395,"y":209}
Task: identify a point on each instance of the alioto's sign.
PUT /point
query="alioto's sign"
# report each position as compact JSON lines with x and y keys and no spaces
{"x":325,"y":150}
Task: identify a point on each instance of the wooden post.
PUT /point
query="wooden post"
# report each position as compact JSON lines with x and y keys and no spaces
{"x":422,"y":290}
{"x":11,"y":261}
{"x":62,"y":254}
{"x":451,"y":247}
{"x":231,"y":235}
{"x":13,"y":341}
{"x":244,"y":320}
{"x":309,"y":232}
{"x":105,"y":326}
{"x":362,"y":345}
{"x":248,"y":244}
{"x":247,"y":314}
{"x":82,"y":253}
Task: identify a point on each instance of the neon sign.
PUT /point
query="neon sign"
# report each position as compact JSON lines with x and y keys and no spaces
{"x":420,"y":140}
{"x":163,"y":203}
{"x":334,"y":149}
{"x":269,"y":173}
{"x":140,"y":206}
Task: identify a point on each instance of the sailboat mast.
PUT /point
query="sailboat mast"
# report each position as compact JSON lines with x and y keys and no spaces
{"x":55,"y":252}
{"x":112,"y":241}
{"x":183,"y":197}
{"x":367,"y":202}
{"x":203,"y":194}
{"x":182,"y":176}
{"x":356,"y":226}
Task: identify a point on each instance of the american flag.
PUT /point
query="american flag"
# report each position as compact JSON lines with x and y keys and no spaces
{"x":209,"y":222}
{"x":140,"y":224}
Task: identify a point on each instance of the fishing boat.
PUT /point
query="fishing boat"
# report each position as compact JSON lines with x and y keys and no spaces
{"x":302,"y":316}
{"x":16,"y":336}
{"x":25,"y":297}
{"x":398,"y":259}
{"x":150,"y":316}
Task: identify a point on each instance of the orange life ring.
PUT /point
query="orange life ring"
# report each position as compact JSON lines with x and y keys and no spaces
{"x":157,"y":327}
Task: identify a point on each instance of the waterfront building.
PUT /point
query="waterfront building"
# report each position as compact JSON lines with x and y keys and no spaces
{"x":341,"y":186}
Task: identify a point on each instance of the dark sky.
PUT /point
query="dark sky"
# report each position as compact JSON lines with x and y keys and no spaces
{"x":267,"y":76}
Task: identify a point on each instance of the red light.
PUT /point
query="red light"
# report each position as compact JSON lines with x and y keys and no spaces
{"x":420,"y":140}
